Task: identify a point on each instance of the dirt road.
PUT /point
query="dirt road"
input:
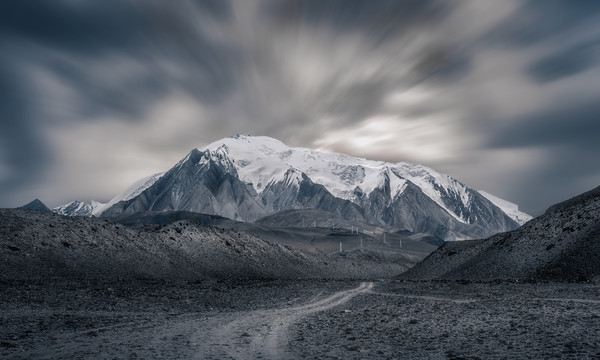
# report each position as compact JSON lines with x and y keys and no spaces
{"x":264,"y":333}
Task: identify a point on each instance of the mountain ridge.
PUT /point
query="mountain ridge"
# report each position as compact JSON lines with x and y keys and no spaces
{"x":245,"y":178}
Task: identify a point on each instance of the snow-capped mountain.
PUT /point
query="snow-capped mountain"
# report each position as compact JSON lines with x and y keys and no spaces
{"x":82,"y":208}
{"x":74,"y":208}
{"x":511,"y":209}
{"x":247,"y":177}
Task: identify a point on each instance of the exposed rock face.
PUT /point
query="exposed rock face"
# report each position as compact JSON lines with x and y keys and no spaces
{"x":246,"y":178}
{"x":203,"y":182}
{"x":562,"y":244}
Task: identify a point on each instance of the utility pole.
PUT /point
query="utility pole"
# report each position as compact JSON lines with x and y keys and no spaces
{"x":341,"y":247}
{"x":400,"y":243}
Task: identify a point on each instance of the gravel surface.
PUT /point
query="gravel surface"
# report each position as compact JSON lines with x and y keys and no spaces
{"x":66,"y":319}
{"x":399,"y":320}
{"x":299,"y":319}
{"x":84,"y":288}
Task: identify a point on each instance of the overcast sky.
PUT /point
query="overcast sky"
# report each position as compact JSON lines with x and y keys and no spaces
{"x":502,"y":95}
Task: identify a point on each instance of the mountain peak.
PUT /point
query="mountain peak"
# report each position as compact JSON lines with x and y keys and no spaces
{"x":239,"y":136}
{"x":246,"y":141}
{"x":260,"y":160}
{"x":36,"y":205}
{"x":246,"y":177}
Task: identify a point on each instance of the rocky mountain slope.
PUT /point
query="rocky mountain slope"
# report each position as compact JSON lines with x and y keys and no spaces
{"x":36,"y":245}
{"x":563,"y":244}
{"x":248,"y":177}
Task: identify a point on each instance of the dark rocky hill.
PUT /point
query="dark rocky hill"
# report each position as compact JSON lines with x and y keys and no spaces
{"x":36,"y":245}
{"x":563,"y":244}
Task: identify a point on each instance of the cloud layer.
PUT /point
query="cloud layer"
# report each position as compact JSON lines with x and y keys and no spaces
{"x":502,"y":95}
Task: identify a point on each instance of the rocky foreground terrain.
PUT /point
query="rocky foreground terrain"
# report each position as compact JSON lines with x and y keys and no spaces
{"x":298,"y":319}
{"x":87,"y":288}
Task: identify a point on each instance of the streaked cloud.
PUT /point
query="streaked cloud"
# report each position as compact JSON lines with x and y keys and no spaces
{"x":97,"y":94}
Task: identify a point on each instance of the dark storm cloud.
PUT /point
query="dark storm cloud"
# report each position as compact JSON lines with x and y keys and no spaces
{"x":567,"y":62}
{"x":92,"y":32}
{"x":568,"y":137}
{"x":445,"y":66}
{"x":562,"y":173}
{"x":379,"y":18}
{"x":574,"y":126}
{"x":94,"y":26}
{"x":76,"y":44}
{"x":23,"y":147}
{"x":87,"y":31}
{"x":539,"y":20}
{"x":88,"y":27}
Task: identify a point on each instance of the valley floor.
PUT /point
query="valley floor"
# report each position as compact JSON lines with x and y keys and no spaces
{"x":299,"y":319}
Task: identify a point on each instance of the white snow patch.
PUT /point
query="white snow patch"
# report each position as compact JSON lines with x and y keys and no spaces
{"x":96,"y":205}
{"x":77,"y":205}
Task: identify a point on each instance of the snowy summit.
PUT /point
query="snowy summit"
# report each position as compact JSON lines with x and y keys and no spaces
{"x":247,"y":177}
